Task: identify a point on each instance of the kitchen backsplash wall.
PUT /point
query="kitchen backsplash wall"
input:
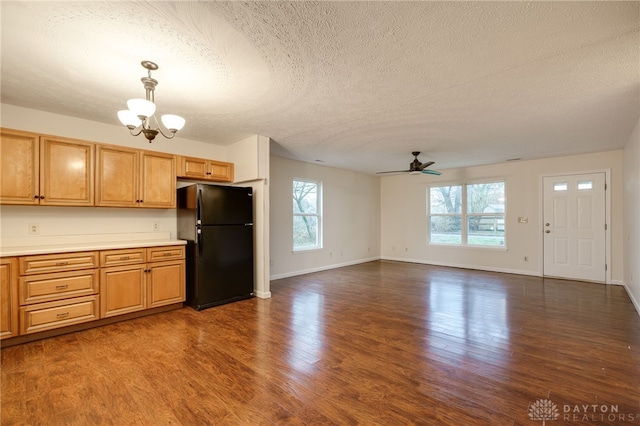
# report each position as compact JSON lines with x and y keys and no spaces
{"x":45,"y":225}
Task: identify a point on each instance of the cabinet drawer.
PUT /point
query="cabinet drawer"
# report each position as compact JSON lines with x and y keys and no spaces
{"x":61,"y":285}
{"x":58,"y":262}
{"x":47,"y":316}
{"x":155,"y":254}
{"x":122,"y":257}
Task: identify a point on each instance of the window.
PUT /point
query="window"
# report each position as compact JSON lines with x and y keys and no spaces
{"x":307,"y":215}
{"x":471,"y":214}
{"x":561,"y":186}
{"x":585,"y":185}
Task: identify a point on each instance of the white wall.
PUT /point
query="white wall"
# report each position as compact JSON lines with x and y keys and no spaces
{"x":404,"y":222}
{"x":632,"y":215}
{"x":351,"y":212}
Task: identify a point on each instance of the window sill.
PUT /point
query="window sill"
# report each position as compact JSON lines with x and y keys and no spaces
{"x":306,"y":250}
{"x":470,"y":247}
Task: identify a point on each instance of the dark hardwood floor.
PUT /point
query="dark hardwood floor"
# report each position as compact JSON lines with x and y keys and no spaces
{"x":378,"y":343}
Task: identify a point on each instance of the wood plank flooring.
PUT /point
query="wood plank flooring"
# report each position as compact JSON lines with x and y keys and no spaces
{"x":378,"y":343}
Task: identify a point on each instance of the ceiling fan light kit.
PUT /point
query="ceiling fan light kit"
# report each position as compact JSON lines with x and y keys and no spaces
{"x":416,"y":167}
{"x":138,"y":118}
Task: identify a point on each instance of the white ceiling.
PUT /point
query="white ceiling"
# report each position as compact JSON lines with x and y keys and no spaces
{"x":357,"y":85}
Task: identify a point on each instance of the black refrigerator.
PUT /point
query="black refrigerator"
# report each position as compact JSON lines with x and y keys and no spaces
{"x":217,"y":223}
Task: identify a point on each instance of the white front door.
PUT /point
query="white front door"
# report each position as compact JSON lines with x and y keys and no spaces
{"x":575,"y":226}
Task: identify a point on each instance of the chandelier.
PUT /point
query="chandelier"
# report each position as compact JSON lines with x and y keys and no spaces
{"x":140,"y":118}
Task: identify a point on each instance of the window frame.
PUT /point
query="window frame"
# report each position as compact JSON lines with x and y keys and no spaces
{"x":464,"y":215}
{"x":317,"y":215}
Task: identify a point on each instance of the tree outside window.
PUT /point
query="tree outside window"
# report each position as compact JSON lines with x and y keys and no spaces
{"x":471,"y":214}
{"x":307,"y":215}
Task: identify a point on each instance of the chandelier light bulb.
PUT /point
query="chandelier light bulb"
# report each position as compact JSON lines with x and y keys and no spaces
{"x":172,"y":122}
{"x":129,"y":119}
{"x":141,"y":107}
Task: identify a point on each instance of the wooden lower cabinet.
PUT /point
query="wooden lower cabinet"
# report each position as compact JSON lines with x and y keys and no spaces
{"x":51,"y":291}
{"x":122,"y":290}
{"x":8,"y":297}
{"x":61,"y":313}
{"x":166,"y":283}
{"x":62,"y":285}
{"x":156,"y":278}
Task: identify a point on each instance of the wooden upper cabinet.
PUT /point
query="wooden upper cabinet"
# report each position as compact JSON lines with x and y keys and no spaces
{"x":128,"y":177}
{"x":66,"y":172}
{"x":116,"y":176}
{"x":157,"y":180}
{"x":49,"y":170}
{"x":201,"y":169}
{"x":19,"y":162}
{"x":45,"y":170}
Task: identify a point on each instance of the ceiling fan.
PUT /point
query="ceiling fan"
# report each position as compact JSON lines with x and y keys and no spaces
{"x":416,"y":167}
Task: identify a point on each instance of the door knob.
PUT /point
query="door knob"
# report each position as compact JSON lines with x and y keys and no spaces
{"x":547,"y":231}
{"x":547,"y":224}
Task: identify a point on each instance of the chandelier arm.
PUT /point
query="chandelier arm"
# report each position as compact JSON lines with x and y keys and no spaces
{"x":159,"y":129}
{"x":136,"y":133}
{"x":164,"y":134}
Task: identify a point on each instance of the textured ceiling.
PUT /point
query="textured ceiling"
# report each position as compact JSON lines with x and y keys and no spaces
{"x":357,"y":85}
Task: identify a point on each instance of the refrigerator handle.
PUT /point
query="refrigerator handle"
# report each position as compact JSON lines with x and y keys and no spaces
{"x":198,"y":202}
{"x":198,"y":240}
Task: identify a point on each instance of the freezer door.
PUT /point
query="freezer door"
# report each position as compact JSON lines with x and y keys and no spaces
{"x":225,"y":264}
{"x":225,"y":205}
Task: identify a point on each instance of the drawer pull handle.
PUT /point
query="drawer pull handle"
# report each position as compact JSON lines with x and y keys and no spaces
{"x":124,"y":258}
{"x":62,"y":287}
{"x":62,"y":315}
{"x":167,"y":253}
{"x":61,"y":263}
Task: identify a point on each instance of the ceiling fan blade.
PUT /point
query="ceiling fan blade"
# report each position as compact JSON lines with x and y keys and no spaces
{"x":425,"y":165}
{"x":395,"y":171}
{"x":431,"y":172}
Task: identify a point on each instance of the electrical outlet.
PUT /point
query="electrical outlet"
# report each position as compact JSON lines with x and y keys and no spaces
{"x":156,"y":225}
{"x":34,"y":229}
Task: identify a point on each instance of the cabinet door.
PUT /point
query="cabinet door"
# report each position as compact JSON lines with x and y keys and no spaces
{"x":8,"y":297}
{"x":157,"y":180}
{"x":195,"y":168}
{"x":220,"y":171}
{"x":66,"y":172}
{"x":122,"y":290}
{"x":166,"y":283}
{"x":19,"y":162}
{"x":116,"y":177}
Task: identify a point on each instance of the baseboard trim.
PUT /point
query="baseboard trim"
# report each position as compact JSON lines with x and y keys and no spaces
{"x":262,"y":294}
{"x":463,"y":266}
{"x":636,"y":303}
{"x":322,"y":268}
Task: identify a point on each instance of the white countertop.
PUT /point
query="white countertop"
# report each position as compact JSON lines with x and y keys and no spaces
{"x":85,"y":246}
